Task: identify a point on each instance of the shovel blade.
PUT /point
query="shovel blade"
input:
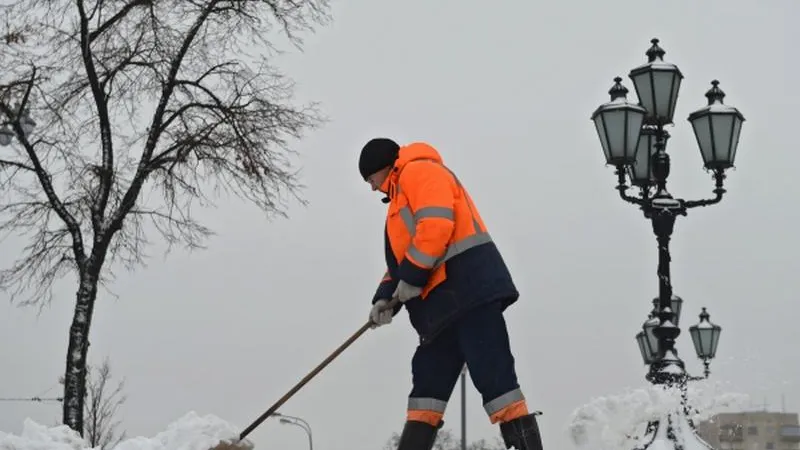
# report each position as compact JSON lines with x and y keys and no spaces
{"x":240,"y":445}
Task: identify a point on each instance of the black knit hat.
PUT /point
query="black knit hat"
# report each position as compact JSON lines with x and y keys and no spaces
{"x":377,"y":154}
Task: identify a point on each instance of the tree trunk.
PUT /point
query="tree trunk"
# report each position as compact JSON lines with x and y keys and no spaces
{"x":75,"y":374}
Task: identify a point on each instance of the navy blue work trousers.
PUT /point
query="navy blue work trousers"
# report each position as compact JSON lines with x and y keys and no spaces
{"x":479,"y":339}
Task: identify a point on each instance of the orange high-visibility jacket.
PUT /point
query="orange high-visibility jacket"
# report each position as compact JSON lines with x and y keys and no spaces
{"x":436,"y":239}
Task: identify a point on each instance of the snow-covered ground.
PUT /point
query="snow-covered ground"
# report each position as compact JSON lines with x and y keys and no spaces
{"x":612,"y":422}
{"x":616,"y":422}
{"x":190,"y":432}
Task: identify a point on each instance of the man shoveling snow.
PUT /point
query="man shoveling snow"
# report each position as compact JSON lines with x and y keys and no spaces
{"x":444,"y":268}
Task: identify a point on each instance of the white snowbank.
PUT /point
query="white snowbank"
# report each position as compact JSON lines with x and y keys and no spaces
{"x":190,"y":432}
{"x":616,"y":422}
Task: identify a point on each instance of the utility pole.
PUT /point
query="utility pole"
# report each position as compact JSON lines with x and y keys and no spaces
{"x":464,"y":408}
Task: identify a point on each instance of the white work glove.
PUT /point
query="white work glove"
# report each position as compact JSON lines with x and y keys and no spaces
{"x":405,"y":291}
{"x":379,"y":317}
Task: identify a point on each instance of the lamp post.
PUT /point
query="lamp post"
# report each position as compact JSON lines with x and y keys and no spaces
{"x":634,"y":141}
{"x":292,"y":420}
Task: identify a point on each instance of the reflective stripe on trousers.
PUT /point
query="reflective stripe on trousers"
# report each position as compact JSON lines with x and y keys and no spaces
{"x":492,"y":407}
{"x":496,"y":405}
{"x":426,"y":404}
{"x":453,"y":249}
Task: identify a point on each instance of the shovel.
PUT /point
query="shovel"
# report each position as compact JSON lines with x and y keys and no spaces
{"x":240,"y":445}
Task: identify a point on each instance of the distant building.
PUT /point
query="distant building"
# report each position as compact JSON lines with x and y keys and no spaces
{"x":754,"y":430}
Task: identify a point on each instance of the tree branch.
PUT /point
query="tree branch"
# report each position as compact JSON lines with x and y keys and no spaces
{"x":107,"y":167}
{"x":105,"y":26}
{"x":18,"y":165}
{"x":155,"y":127}
{"x":44,"y":176}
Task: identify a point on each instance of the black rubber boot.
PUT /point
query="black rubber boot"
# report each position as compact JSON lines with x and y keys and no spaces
{"x":522,"y":433}
{"x":418,"y":436}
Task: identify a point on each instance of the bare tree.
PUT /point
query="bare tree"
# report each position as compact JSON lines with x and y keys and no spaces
{"x":101,"y":427}
{"x":124,"y":114}
{"x":446,"y":441}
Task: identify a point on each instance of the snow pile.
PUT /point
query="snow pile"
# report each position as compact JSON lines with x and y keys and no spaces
{"x":39,"y":437}
{"x":619,"y":421}
{"x":190,"y":432}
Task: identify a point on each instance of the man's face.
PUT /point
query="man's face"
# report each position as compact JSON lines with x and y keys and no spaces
{"x":376,"y":179}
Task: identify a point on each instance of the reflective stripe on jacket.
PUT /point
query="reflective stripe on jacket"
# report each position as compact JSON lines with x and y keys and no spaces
{"x":431,"y":218}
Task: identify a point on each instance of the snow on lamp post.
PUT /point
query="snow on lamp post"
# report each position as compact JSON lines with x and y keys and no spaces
{"x":634,"y":141}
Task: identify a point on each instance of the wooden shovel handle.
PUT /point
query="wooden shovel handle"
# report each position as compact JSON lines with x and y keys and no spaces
{"x":313,"y":373}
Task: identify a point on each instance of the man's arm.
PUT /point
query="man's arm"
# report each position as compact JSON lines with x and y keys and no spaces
{"x":430,"y":191}
{"x":385,"y":288}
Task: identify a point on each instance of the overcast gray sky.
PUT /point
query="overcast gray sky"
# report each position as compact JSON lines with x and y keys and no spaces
{"x":505,"y":93}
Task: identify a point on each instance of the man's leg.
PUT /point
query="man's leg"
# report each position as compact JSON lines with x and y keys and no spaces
{"x":484,"y":342}
{"x":435,"y":369}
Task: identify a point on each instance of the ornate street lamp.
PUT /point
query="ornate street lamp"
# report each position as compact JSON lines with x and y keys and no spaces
{"x":649,"y":331}
{"x":647,"y":356}
{"x":717,"y":128}
{"x":657,"y":85}
{"x":676,"y":304}
{"x":639,"y":154}
{"x":618,"y":123}
{"x":705,"y":336}
{"x":641,"y":171}
{"x":648,"y":343}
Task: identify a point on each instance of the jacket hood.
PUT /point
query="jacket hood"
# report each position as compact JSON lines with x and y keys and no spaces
{"x":411,"y":152}
{"x":415,"y":151}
